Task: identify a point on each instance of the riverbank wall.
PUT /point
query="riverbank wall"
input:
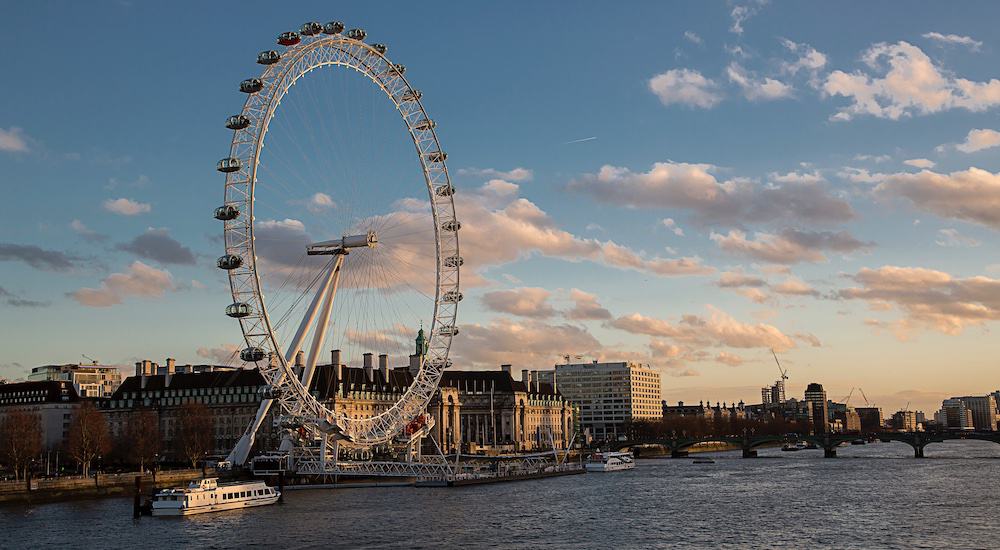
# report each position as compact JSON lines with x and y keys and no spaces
{"x":98,"y":485}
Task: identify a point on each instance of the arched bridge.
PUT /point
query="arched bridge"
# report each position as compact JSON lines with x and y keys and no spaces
{"x":748,"y":443}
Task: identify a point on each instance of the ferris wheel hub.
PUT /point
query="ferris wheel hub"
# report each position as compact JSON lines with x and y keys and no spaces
{"x":343,"y":244}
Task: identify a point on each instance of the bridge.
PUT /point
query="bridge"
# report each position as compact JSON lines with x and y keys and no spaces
{"x":749,"y":442}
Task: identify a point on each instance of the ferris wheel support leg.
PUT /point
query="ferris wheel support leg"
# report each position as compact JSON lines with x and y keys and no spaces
{"x":319,"y":334}
{"x":310,"y":316}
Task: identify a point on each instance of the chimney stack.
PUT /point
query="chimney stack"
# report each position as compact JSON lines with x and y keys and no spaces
{"x":171,"y":365}
{"x":369,"y":367}
{"x":335,"y":362}
{"x":524,"y":377}
{"x":138,"y":368}
{"x":506,"y":369}
{"x":383,"y":365}
{"x":534,"y":378}
{"x":300,"y":358}
{"x":554,"y":388}
{"x":414,"y":364}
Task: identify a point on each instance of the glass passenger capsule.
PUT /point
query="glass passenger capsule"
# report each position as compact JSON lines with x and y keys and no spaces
{"x":238,"y":310}
{"x":357,"y":34}
{"x":380,"y":48}
{"x":270,"y":392}
{"x":311,"y":28}
{"x":444,"y":190}
{"x":237,"y":122}
{"x":437,"y":156}
{"x":448,"y":330}
{"x":227,"y":165}
{"x":227,"y":212}
{"x":251,"y":85}
{"x":252,"y":355}
{"x":451,"y":225}
{"x":453,"y":296}
{"x":289,"y":38}
{"x":453,"y":261}
{"x":268,"y":57}
{"x":229,"y":262}
{"x":333,"y":27}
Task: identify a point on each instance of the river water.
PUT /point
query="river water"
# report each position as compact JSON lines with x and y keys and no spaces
{"x":873,"y":496}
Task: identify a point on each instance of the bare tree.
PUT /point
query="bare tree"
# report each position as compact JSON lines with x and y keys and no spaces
{"x":88,"y":436}
{"x":20,"y":439}
{"x":142,"y":440}
{"x":195,"y":432}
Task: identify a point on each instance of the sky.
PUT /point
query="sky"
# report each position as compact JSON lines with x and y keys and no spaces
{"x":687,"y":185}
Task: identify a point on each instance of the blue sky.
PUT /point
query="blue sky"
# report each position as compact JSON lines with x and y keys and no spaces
{"x":830,"y":174}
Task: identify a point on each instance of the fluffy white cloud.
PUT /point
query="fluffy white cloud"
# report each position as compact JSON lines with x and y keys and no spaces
{"x":790,"y":246}
{"x":320,"y":202}
{"x":525,"y":343}
{"x":515,"y":174}
{"x":920,"y":163}
{"x":979,"y":139}
{"x":523,"y":302}
{"x":686,"y":87}
{"x":138,"y":280}
{"x":670,"y":224}
{"x":971,"y":195}
{"x":928,"y":298}
{"x":692,"y":37}
{"x":226,"y":354}
{"x":743,"y":11}
{"x":730,"y":359}
{"x":12,"y":140}
{"x":904,"y":81}
{"x":794,"y":286}
{"x":757,"y":88}
{"x":966,"y":41}
{"x":737,"y":279}
{"x":87,"y":233}
{"x":860,"y":175}
{"x":586,"y":307}
{"x":718,"y":329}
{"x":809,"y":60}
{"x":127,"y":207}
{"x":694,"y":187}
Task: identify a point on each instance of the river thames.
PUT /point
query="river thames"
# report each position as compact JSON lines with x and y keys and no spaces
{"x":873,"y":496}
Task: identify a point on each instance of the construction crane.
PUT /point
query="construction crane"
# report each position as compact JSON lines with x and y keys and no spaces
{"x":847,"y":399}
{"x":87,"y":357}
{"x":867,"y":404}
{"x":784,"y":373}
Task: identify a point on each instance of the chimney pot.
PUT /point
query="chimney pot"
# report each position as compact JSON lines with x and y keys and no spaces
{"x":524,"y":376}
{"x":369,"y":368}
{"x":383,"y":365}
{"x":171,"y":365}
{"x":505,"y":368}
{"x":299,"y":358}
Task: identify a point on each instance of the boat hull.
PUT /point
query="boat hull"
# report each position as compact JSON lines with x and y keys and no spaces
{"x":208,"y":508}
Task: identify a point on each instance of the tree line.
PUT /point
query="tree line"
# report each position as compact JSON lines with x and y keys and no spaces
{"x":90,"y":442}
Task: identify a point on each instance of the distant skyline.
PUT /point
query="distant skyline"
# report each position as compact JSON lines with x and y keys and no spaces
{"x":682,"y":184}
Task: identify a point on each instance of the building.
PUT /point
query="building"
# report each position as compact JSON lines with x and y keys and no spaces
{"x":231,"y":397}
{"x":815,"y":397}
{"x":705,"y":410}
{"x":957,"y":415}
{"x":91,"y":380}
{"x":904,"y":421}
{"x":608,"y":395}
{"x":850,"y":420}
{"x":984,"y":412}
{"x":870,"y":418}
{"x":773,"y":395}
{"x":54,"y":401}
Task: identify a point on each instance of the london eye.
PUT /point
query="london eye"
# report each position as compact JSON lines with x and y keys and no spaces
{"x":340,"y":232}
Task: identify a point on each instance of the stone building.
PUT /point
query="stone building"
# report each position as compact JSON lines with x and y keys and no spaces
{"x":90,"y":380}
{"x":53,"y":401}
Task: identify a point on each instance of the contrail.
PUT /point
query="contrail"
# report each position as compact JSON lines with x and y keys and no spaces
{"x":591,"y":138}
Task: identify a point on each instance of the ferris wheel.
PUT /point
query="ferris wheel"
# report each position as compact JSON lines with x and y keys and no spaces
{"x":336,"y":230}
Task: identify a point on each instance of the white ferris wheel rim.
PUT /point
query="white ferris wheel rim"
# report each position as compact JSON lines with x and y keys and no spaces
{"x":247,"y":145}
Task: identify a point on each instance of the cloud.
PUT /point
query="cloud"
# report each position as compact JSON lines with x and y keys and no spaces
{"x":685,"y":87}
{"x":797,"y":177}
{"x":38,"y":258}
{"x":794,"y":286}
{"x":695,"y":188}
{"x":670,"y":224}
{"x":157,"y":245}
{"x":320,"y":202}
{"x":860,"y":175}
{"x":15,"y":300}
{"x":586,"y":307}
{"x":809,"y":60}
{"x":966,"y":41}
{"x":790,"y":246}
{"x":979,"y":139}
{"x":757,"y":88}
{"x":904,"y":81}
{"x":741,"y":13}
{"x":88,"y":234}
{"x":718,"y":329}
{"x":927,"y":298}
{"x":920,"y":163}
{"x":226,"y":354}
{"x":738,"y":279}
{"x":127,"y":207}
{"x":730,"y":359}
{"x":692,"y":37}
{"x":525,"y":343}
{"x":13,"y":140}
{"x":951,"y":237}
{"x":515,"y":174}
{"x":873,"y":158}
{"x":138,"y":280}
{"x":523,"y":302}
{"x":971,"y":195}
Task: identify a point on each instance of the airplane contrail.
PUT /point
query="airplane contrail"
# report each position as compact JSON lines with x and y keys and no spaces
{"x":591,"y":138}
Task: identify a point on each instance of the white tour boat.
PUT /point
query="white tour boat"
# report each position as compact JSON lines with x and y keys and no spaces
{"x":610,"y":462}
{"x":207,"y":495}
